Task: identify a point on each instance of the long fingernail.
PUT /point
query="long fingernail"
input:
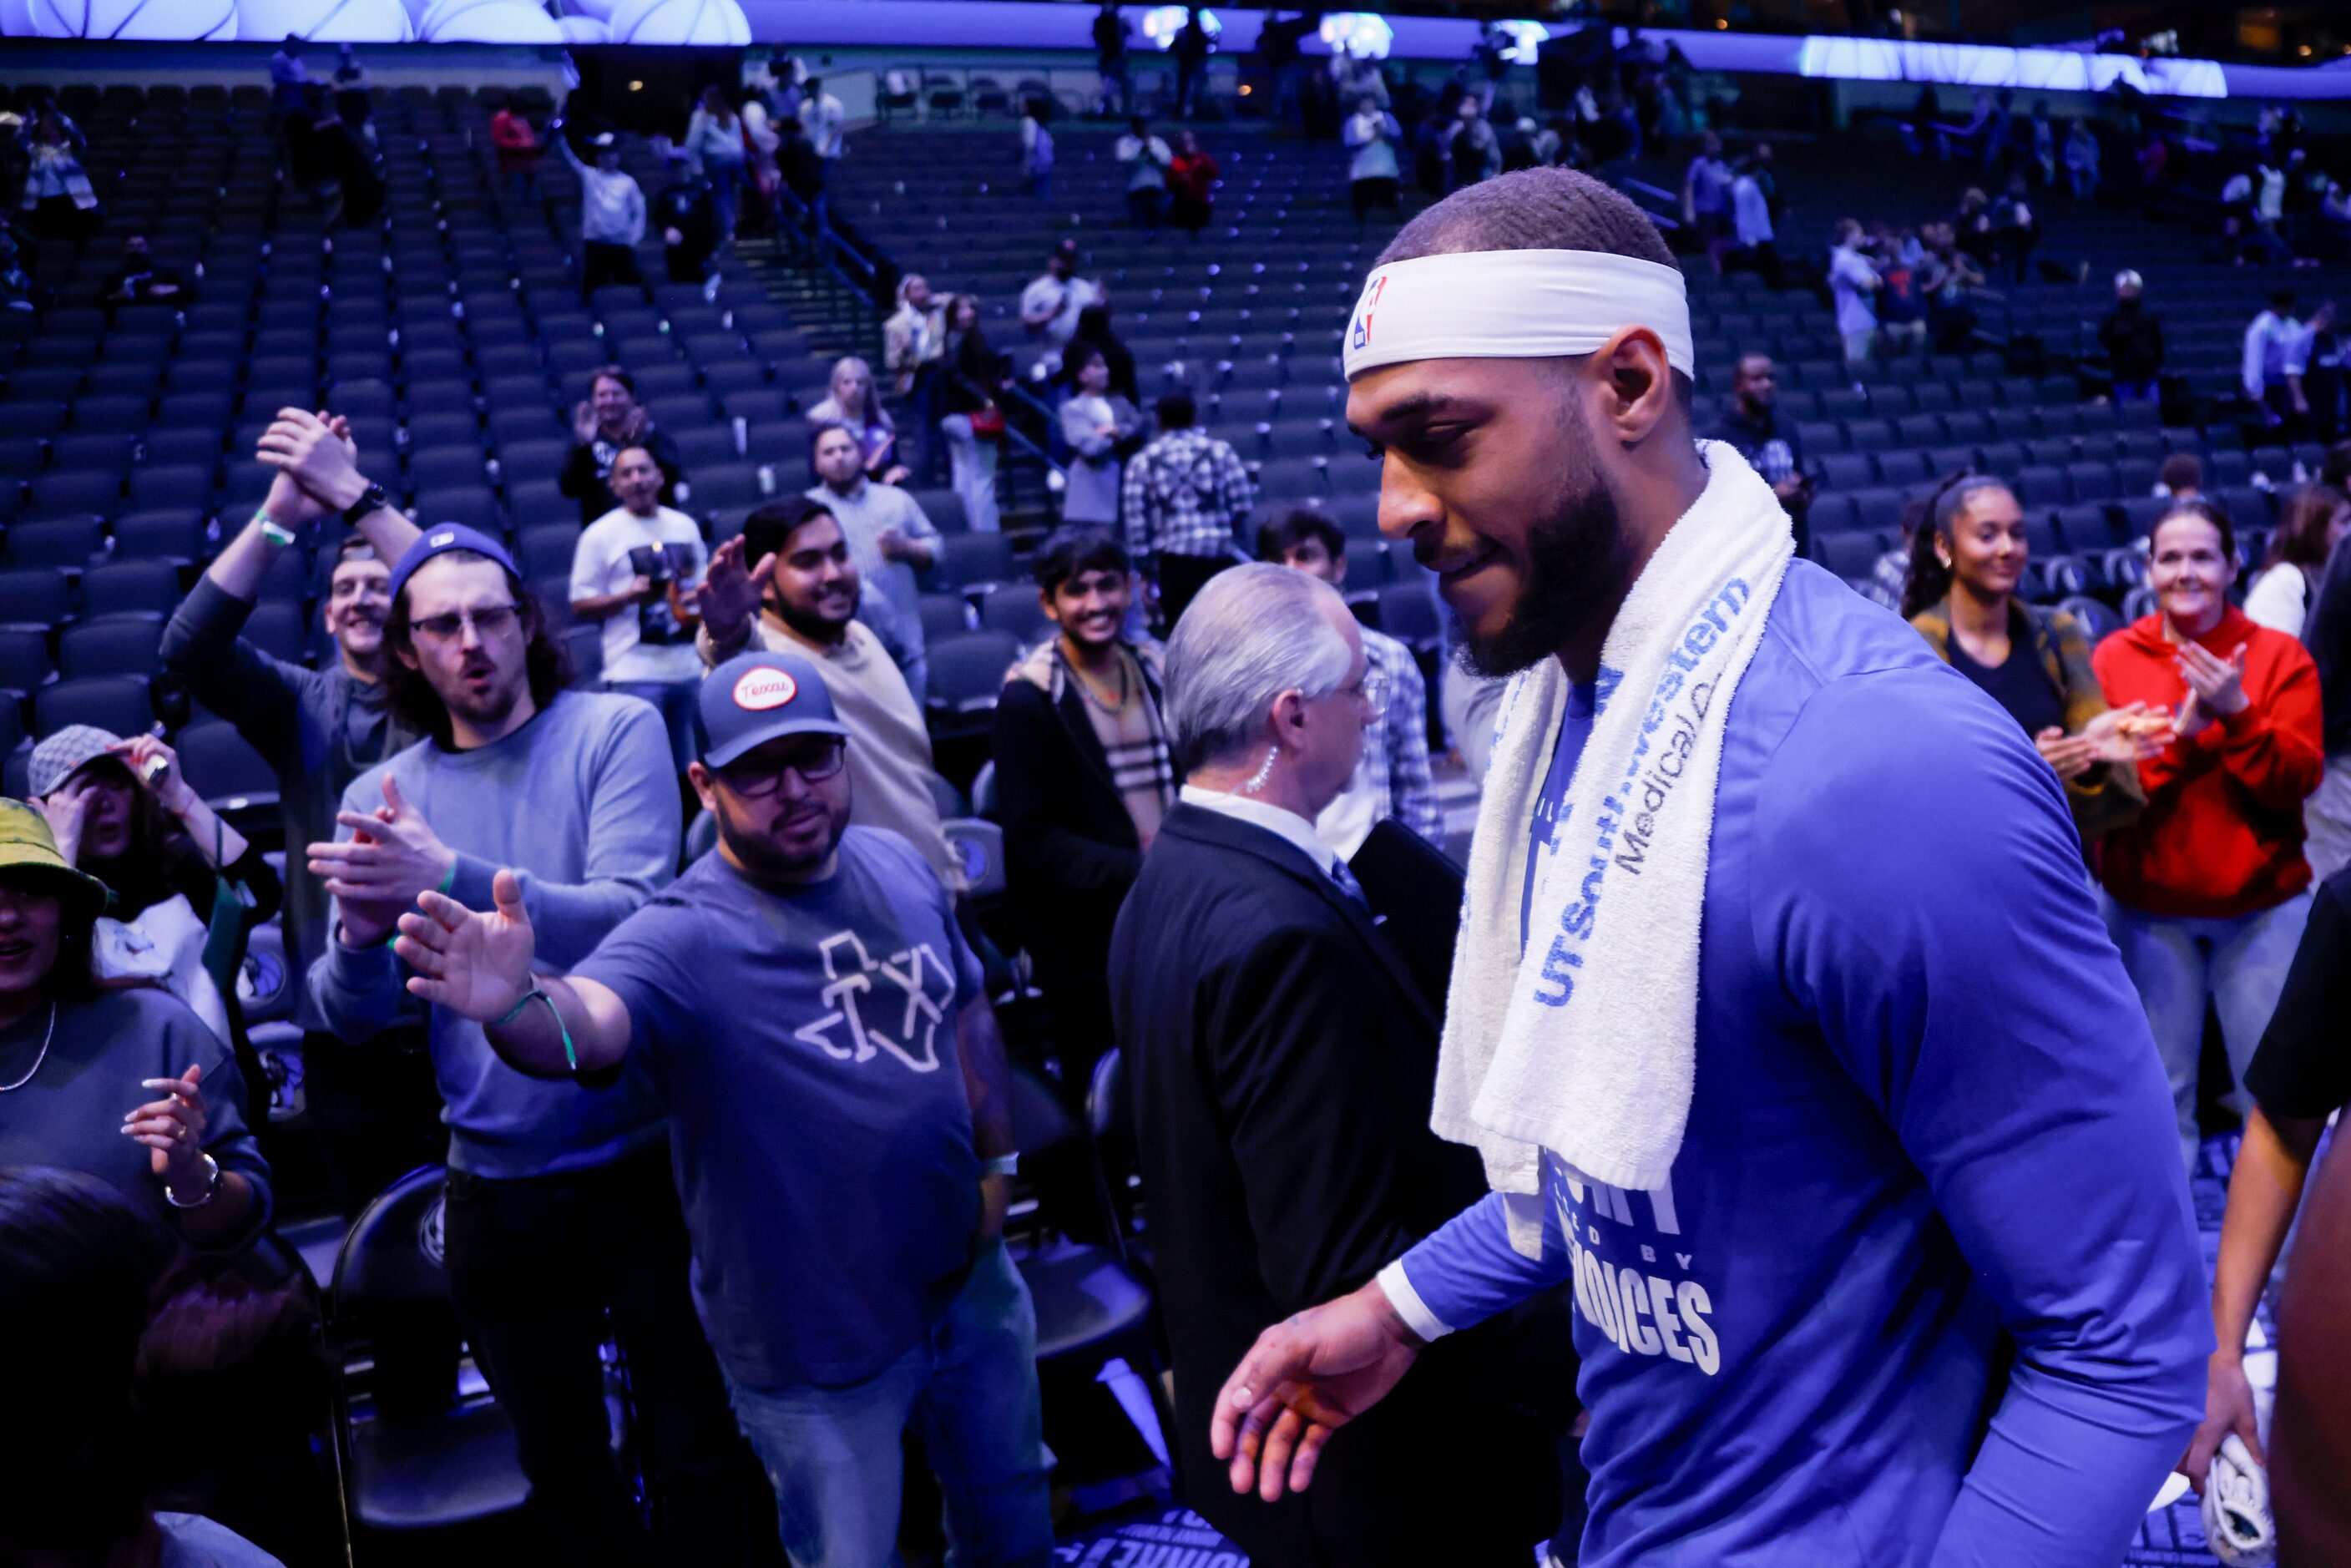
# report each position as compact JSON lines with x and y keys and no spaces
{"x":1243,"y":1397}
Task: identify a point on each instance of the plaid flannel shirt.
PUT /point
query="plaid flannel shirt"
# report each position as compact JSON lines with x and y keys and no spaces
{"x":1184,"y":495}
{"x":1396,"y":749}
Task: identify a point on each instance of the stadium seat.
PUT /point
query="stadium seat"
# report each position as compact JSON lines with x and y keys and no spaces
{"x":221,"y":766}
{"x":1013,"y":607}
{"x":967,"y":673}
{"x":975,"y":561}
{"x":133,"y":587}
{"x":67,"y":543}
{"x":25,"y":662}
{"x":118,"y":703}
{"x":124,"y":643}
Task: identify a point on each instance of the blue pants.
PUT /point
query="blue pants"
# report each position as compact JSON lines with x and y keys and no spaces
{"x":970,"y":1389}
{"x":2177,"y":964}
{"x":674,"y":699}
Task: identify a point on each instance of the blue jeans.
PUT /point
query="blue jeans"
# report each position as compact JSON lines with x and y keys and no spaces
{"x":2177,"y":964}
{"x":674,"y":699}
{"x":970,"y":1389}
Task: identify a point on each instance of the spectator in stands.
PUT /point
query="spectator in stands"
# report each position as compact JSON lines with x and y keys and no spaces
{"x":103,"y":1290}
{"x":186,"y":885}
{"x":1472,"y":154}
{"x":1391,"y":777}
{"x":2040,"y":134}
{"x":612,"y":214}
{"x":1901,"y":298}
{"x":1101,"y":428}
{"x":1109,"y":59}
{"x":889,"y":538}
{"x":2207,"y":891}
{"x":1751,"y":425}
{"x":288,"y":77}
{"x":2082,"y":156}
{"x":761,"y":142}
{"x":1972,"y":226}
{"x":609,"y":419}
{"x":846,"y":1204}
{"x":1752,"y":230}
{"x":802,"y":170}
{"x":378,"y":1113}
{"x":2033,"y":661}
{"x":2182,"y":477}
{"x":1371,"y":134}
{"x":1082,"y":778}
{"x":1037,"y":149}
{"x":561,"y":1222}
{"x":1050,"y":305}
{"x":1191,"y":185}
{"x":138,"y":281}
{"x":2016,"y":232}
{"x":972,"y":374}
{"x":517,"y":140}
{"x":2296,"y":1083}
{"x":2132,"y":339}
{"x":183,"y":1153}
{"x":1190,"y":49}
{"x":1706,"y":197}
{"x":1950,"y":275}
{"x":1854,"y":284}
{"x":914,"y":338}
{"x":1095,"y":331}
{"x":636,"y":571}
{"x":686,"y":211}
{"x":2313,"y":522}
{"x":1146,"y":157}
{"x":715,"y":150}
{"x":851,"y":402}
{"x":1282,"y":1061}
{"x":1184,"y":495}
{"x":823,"y":119}
{"x":2277,"y":357}
{"x":59,"y":200}
{"x":351,"y":90}
{"x":789,"y":584}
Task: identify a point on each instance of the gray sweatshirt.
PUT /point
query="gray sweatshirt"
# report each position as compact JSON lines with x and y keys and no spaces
{"x":318,"y":729}
{"x":582,"y":805}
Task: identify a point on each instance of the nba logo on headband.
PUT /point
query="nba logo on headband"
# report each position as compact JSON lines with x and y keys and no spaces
{"x":1361,"y":337}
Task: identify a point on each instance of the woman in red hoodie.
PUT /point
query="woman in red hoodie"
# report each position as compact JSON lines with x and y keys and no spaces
{"x":2207,"y":891}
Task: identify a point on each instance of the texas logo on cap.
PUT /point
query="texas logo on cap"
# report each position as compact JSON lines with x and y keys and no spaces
{"x":763,"y":688}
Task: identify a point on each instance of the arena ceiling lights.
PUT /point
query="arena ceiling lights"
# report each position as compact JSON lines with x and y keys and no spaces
{"x":1362,"y":33}
{"x":2029,"y":70}
{"x":1162,"y":22}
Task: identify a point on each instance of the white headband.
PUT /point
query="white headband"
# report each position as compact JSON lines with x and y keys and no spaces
{"x":1514,"y":304}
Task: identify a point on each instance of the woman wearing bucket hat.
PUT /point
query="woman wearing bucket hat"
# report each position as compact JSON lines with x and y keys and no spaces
{"x":186,"y":886}
{"x":122,"y":1082}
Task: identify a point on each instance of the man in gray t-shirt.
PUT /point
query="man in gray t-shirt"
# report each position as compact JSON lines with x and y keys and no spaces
{"x":814,"y":1021}
{"x":890,"y":538}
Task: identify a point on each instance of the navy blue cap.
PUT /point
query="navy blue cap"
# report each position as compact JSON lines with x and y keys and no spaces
{"x":440,"y":539}
{"x":753,"y":698}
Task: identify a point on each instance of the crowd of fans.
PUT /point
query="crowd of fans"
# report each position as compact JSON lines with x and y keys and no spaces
{"x":612,"y":1137}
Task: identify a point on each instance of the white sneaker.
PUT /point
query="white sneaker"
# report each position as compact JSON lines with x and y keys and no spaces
{"x":2237,"y":1523}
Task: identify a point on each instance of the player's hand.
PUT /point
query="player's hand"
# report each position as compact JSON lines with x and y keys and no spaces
{"x":2228,"y":1407}
{"x":1303,"y":1380}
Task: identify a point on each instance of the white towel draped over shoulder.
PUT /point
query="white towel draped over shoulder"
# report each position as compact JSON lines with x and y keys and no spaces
{"x":1588,"y":1048}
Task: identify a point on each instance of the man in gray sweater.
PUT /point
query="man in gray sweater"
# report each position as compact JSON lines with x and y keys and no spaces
{"x":560,"y":1208}
{"x":318,"y":729}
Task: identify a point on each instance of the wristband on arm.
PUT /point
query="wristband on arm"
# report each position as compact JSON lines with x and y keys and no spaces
{"x":570,"y":1056}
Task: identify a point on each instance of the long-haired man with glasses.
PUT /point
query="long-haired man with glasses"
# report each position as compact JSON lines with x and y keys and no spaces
{"x":561,"y":1213}
{"x":804,"y":1004}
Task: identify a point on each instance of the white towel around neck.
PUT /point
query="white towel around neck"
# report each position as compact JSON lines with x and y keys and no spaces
{"x":1588,"y":1048}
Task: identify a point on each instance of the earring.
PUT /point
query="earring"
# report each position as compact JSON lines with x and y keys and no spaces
{"x":1265,"y":771}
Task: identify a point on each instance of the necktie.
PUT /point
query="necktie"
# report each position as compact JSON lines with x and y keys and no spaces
{"x":1347,"y":883}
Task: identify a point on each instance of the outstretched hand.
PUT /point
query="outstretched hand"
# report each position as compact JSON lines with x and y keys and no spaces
{"x":316,"y":452}
{"x":730,"y":595}
{"x":1304,"y":1379}
{"x":477,"y":966}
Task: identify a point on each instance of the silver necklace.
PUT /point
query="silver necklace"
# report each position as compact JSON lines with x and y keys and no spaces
{"x":47,"y":1035}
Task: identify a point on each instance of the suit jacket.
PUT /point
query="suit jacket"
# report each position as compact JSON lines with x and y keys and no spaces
{"x":1283,"y":1058}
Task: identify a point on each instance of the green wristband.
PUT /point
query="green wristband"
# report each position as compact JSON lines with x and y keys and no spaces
{"x":271,"y":530}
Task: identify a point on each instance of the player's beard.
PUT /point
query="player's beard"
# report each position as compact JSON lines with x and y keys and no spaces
{"x":1576,"y":563}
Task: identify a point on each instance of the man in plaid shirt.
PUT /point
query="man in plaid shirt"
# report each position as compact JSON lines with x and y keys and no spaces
{"x":1183,"y":497}
{"x":1392,"y":779}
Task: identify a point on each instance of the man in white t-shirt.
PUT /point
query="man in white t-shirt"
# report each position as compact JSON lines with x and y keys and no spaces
{"x":1853,"y":282}
{"x":635,"y":571}
{"x":1050,"y":305}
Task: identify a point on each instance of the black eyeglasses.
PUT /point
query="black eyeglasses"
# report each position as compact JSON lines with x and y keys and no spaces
{"x":760,"y":780}
{"x":488,"y":622}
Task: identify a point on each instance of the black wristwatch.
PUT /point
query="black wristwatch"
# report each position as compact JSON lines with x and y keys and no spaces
{"x":372,"y":499}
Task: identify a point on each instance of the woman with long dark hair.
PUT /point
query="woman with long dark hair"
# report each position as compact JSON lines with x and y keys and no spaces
{"x":973,"y":423}
{"x":2282,"y":594}
{"x":1094,"y":331}
{"x":120,"y":1081}
{"x":2207,"y":893}
{"x":1966,"y":560}
{"x":186,"y":887}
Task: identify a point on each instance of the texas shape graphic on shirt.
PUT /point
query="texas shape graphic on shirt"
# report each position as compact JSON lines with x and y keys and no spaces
{"x":909,"y":1032}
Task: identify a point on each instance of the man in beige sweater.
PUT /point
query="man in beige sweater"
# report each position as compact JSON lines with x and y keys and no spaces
{"x":789,"y":583}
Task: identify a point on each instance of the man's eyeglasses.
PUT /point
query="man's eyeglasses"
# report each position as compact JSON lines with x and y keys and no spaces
{"x":1372,"y":689}
{"x":489,"y":621}
{"x":756,"y":781}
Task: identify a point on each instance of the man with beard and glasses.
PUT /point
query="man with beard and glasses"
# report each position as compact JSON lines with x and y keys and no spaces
{"x":318,"y":729}
{"x":560,"y":1221}
{"x":790,"y":585}
{"x":845,"y":1147}
{"x":1720,"y":1021}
